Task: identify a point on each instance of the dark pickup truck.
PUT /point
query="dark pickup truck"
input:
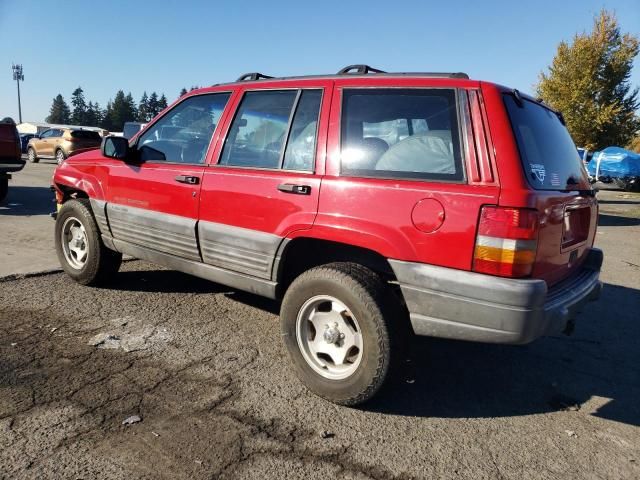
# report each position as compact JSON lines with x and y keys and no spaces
{"x":10,"y":155}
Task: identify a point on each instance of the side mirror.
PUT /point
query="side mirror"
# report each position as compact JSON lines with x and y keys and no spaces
{"x":115,"y":147}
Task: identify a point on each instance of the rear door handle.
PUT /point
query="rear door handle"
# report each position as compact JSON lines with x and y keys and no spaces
{"x":297,"y":189}
{"x":191,"y":180}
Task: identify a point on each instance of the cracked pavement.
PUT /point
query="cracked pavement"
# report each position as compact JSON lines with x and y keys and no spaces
{"x":204,"y":367}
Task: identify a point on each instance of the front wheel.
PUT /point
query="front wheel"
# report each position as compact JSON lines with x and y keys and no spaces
{"x":80,"y":249}
{"x":339,"y":322}
{"x":31,"y":155}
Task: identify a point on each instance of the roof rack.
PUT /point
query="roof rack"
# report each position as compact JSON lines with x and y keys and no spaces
{"x":252,"y":76}
{"x":365,"y":69}
{"x":359,"y":70}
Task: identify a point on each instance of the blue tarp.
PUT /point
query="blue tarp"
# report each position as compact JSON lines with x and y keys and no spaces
{"x":614,"y":162}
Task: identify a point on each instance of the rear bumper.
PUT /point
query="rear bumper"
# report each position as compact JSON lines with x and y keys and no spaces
{"x":461,"y":305}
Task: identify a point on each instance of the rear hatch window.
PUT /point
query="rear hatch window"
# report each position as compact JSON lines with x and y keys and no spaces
{"x":86,"y":135}
{"x":549,"y":156}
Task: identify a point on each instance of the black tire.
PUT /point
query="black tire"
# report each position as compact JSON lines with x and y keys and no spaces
{"x":4,"y":187}
{"x":101,"y":262}
{"x":60,"y":156}
{"x":379,"y":317}
{"x":32,"y":156}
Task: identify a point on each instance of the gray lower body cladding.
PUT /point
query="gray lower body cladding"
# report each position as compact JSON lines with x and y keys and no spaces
{"x":100,"y":214}
{"x":461,"y":305}
{"x":238,"y":249}
{"x":266,"y":288}
{"x":161,"y":232}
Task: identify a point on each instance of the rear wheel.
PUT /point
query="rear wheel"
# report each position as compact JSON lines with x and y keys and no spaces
{"x":339,"y":323}
{"x":4,"y":187}
{"x":31,"y":155}
{"x":80,"y":249}
{"x":60,"y":156}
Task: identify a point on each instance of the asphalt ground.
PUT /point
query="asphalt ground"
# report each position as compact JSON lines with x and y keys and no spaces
{"x":204,"y":369}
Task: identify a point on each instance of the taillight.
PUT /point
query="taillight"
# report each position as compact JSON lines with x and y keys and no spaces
{"x":506,"y":242}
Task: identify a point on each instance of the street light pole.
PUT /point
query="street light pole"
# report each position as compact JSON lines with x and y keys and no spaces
{"x":18,"y":77}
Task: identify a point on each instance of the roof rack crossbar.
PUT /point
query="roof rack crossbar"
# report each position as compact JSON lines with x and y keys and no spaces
{"x":359,"y":69}
{"x":252,"y":76}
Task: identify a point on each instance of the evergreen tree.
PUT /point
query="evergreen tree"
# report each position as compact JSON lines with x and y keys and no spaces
{"x":194,"y":87}
{"x":89,"y":116}
{"x":153,"y":105}
{"x":107,"y":113}
{"x":131,"y":111}
{"x":162,"y":103}
{"x":143,"y":106}
{"x":59,"y":112}
{"x":96,"y":114}
{"x":182,"y":92}
{"x":121,"y":110}
{"x":79,"y":113}
{"x":588,"y":82}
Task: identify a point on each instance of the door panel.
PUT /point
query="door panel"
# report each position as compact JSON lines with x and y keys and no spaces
{"x":148,"y":207}
{"x":154,"y":203}
{"x":245,"y":211}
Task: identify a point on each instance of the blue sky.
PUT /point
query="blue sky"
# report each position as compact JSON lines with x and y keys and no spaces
{"x":165,"y":45}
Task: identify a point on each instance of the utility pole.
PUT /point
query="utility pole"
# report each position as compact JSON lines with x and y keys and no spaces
{"x":18,"y":77}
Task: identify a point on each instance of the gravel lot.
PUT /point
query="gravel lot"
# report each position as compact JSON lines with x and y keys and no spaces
{"x":205,"y":370}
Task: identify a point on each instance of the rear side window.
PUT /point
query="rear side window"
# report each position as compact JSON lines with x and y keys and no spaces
{"x":274,"y":129}
{"x":549,"y":156}
{"x":86,"y":135}
{"x":401,"y":133}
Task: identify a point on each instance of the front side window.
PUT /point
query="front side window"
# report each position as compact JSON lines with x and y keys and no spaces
{"x":183,"y":135}
{"x":401,"y":133}
{"x":274,"y":129}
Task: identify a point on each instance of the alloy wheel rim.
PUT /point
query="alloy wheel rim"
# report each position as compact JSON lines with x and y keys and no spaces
{"x":329,"y":337}
{"x":60,"y":157}
{"x":74,"y":242}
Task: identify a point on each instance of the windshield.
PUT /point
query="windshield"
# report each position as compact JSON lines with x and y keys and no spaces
{"x":549,"y":156}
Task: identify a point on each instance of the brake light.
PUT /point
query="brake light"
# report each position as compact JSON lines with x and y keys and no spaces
{"x":506,"y":242}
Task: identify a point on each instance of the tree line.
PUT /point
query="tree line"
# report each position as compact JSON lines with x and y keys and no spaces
{"x":122,"y":108}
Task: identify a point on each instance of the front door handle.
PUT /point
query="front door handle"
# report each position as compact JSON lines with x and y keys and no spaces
{"x":297,"y":189}
{"x":191,"y":180}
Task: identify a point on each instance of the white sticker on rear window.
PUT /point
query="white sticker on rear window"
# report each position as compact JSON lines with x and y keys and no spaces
{"x":539,"y":171}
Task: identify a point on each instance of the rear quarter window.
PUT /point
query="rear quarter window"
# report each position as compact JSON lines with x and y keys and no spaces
{"x":549,"y":157}
{"x":86,"y":135}
{"x":401,"y":133}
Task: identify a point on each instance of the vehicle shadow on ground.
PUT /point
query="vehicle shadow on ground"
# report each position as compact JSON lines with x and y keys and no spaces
{"x":605,"y":220}
{"x":449,"y":379}
{"x":457,"y":379}
{"x":163,"y":281}
{"x":23,"y":201}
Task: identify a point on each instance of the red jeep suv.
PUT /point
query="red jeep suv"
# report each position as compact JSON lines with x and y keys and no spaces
{"x":373,"y":204}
